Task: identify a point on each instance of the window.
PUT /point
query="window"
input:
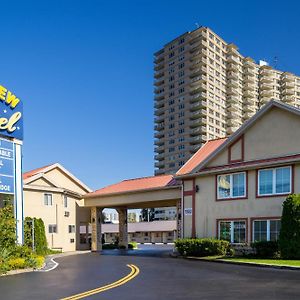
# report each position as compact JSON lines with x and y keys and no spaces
{"x":231,"y":185}
{"x":274,"y":181}
{"x":52,"y":228}
{"x":266,"y":230}
{"x":71,"y":228}
{"x":48,"y":199}
{"x":65,"y":201}
{"x":233,"y":231}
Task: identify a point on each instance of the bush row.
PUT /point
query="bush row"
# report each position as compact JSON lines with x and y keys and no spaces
{"x":203,"y":247}
{"x":19,"y":257}
{"x":131,"y":245}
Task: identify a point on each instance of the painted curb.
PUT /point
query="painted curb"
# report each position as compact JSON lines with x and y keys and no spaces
{"x":242,"y":263}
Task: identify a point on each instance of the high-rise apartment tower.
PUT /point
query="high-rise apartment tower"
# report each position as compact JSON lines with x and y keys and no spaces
{"x":205,"y":89}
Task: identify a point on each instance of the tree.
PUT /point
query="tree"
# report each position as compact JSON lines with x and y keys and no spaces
{"x":7,"y":227}
{"x":289,"y":239}
{"x":40,"y":241}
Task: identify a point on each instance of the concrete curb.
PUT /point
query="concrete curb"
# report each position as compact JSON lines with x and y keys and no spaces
{"x":249,"y":264}
{"x":49,"y":264}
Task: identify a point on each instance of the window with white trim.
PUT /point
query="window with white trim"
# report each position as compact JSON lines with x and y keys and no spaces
{"x":233,"y":231}
{"x":65,"y":201}
{"x":231,"y":185}
{"x":266,"y":230}
{"x":275,"y":181}
{"x":48,"y":199}
{"x":52,"y":228}
{"x":71,"y":228}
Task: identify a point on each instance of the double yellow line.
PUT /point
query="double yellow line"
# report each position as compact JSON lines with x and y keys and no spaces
{"x":133,"y":273}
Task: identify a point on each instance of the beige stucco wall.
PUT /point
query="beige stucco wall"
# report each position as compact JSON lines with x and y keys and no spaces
{"x":55,"y":214}
{"x":275,"y":134}
{"x":208,"y":210}
{"x":155,"y":198}
{"x":64,"y":181}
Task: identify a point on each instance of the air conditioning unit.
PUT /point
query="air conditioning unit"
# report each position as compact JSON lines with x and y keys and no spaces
{"x":67,"y":213}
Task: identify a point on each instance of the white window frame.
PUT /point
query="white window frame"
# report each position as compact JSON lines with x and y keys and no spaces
{"x":232,"y":230}
{"x":48,"y":194}
{"x":274,"y":181}
{"x":52,"y":225}
{"x":71,"y":227}
{"x":231,"y":186}
{"x":65,"y":201}
{"x":268,"y":227}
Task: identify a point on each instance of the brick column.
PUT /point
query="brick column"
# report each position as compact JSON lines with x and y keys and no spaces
{"x":123,"y":227}
{"x":96,"y":220}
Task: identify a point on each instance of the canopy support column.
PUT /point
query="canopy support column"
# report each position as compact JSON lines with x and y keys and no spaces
{"x":96,"y":220}
{"x":123,"y":227}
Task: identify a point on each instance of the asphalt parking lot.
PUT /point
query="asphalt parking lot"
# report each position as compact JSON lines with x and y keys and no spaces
{"x":160,"y":277}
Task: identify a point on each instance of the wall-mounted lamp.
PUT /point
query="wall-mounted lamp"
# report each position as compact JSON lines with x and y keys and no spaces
{"x":197,"y":188}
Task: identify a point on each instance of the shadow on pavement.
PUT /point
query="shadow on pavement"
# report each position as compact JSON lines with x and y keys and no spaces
{"x":143,"y":251}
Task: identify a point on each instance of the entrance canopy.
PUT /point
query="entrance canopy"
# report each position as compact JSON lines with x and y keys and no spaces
{"x":146,"y":192}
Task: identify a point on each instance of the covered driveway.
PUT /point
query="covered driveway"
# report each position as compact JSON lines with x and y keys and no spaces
{"x":147,"y":192}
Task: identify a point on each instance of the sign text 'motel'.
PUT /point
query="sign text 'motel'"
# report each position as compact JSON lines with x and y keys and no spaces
{"x":11,"y":115}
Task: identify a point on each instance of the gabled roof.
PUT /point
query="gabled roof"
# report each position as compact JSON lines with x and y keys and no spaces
{"x":200,"y":155}
{"x":134,"y":185}
{"x":34,"y":172}
{"x":40,"y":172}
{"x":193,"y":168}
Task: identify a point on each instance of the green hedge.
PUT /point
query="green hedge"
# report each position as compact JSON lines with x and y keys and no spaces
{"x":39,"y":235}
{"x":7,"y":227}
{"x":202,"y":247}
{"x":289,"y":239}
{"x":266,"y":249}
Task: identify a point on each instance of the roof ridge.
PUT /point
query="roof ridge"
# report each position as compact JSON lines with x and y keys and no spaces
{"x":37,"y":170}
{"x":145,"y":177}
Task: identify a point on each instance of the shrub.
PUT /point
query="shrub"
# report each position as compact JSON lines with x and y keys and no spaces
{"x":266,"y":249}
{"x":132,"y":245}
{"x":16,"y":263}
{"x":289,"y":239}
{"x":35,"y":261}
{"x":202,"y":247}
{"x":21,"y":252}
{"x":40,"y":240}
{"x":109,"y":246}
{"x":7,"y":227}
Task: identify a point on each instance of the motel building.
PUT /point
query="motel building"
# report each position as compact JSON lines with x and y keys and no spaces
{"x":232,"y":188}
{"x":53,"y":194}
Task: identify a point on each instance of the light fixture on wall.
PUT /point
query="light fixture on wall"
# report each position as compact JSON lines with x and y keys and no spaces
{"x":197,"y":188}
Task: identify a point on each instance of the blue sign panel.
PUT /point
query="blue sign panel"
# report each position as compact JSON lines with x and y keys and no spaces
{"x":11,"y":115}
{"x":7,"y":185}
{"x":7,"y":167}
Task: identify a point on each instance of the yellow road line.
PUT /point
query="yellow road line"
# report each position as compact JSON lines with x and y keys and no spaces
{"x":133,"y":273}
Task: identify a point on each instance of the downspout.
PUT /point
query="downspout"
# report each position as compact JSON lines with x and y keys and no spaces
{"x":182,"y":211}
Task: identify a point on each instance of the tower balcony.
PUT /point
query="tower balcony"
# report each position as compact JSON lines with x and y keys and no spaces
{"x":288,"y":77}
{"x":198,"y":97}
{"x":198,"y":122}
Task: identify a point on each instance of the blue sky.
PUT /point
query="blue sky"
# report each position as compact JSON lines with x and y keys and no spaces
{"x":84,"y":70}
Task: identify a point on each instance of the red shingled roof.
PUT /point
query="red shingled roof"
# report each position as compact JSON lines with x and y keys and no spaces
{"x":34,"y":172}
{"x":200,"y":156}
{"x":137,"y":184}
